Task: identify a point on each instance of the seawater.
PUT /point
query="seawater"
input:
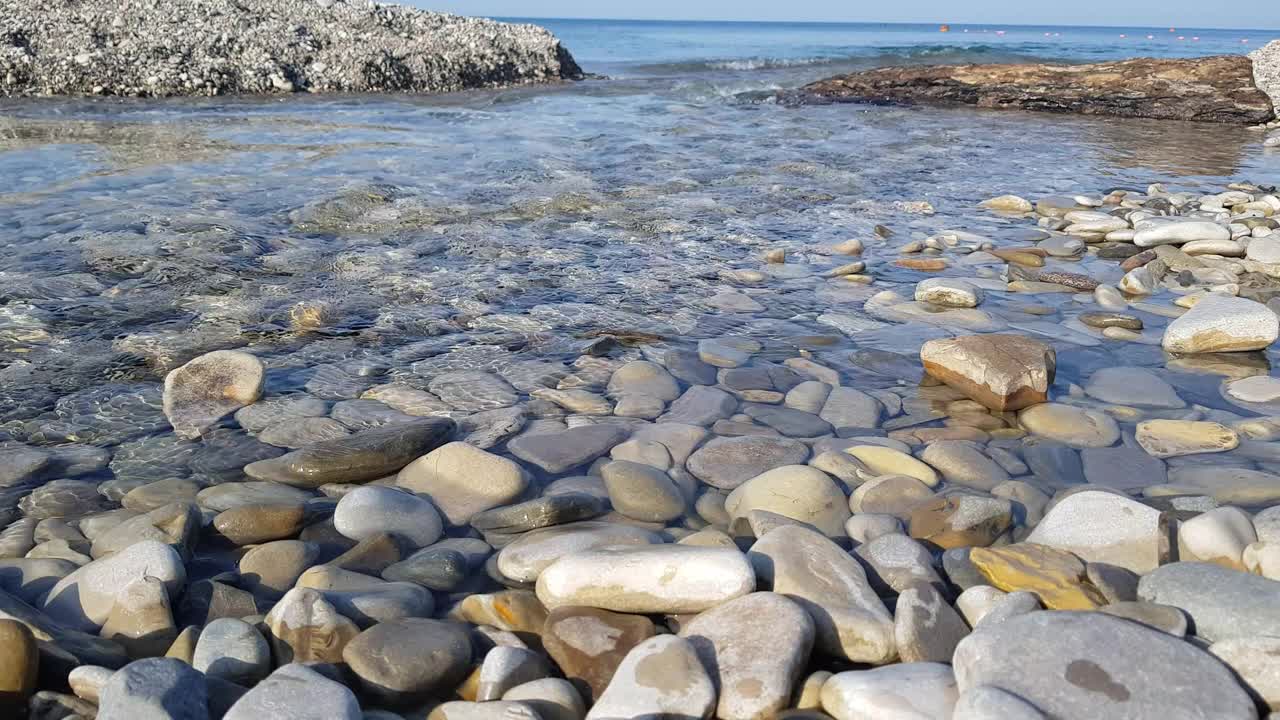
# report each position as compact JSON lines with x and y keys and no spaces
{"x":486,"y":230}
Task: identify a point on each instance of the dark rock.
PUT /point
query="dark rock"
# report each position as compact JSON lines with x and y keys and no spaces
{"x":364,"y":456}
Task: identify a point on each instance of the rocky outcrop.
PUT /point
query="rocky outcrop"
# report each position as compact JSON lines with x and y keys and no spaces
{"x":157,"y":48}
{"x":1210,"y":89}
{"x":1266,"y":70}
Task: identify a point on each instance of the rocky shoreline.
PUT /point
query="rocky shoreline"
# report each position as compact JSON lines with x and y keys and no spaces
{"x":1224,"y":89}
{"x":728,"y":530}
{"x":164,"y":48}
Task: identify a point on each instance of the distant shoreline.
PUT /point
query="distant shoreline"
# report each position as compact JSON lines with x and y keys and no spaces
{"x":955,"y":26}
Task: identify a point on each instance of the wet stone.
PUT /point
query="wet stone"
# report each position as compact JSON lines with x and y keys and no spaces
{"x":1102,"y":320}
{"x":726,"y":463}
{"x":540,"y":512}
{"x":561,"y":451}
{"x":202,"y":392}
{"x":366,"y":455}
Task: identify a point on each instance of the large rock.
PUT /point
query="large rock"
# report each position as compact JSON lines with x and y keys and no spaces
{"x":83,"y":599}
{"x":463,"y":480}
{"x":849,"y":619}
{"x":1221,"y":602}
{"x":1003,"y":372}
{"x":755,"y":647}
{"x":1085,"y":665}
{"x":1221,"y":323}
{"x":154,"y":689}
{"x":1212,"y":89}
{"x":661,"y":677}
{"x":647,"y":579}
{"x":796,"y":491}
{"x":207,"y":389}
{"x":361,"y":457}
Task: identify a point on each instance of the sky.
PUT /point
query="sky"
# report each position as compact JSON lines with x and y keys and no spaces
{"x":1146,"y":13}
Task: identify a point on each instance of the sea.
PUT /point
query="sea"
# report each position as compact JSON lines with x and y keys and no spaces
{"x":509,"y":231}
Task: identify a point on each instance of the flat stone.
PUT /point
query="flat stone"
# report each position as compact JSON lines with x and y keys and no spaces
{"x":1135,"y":387}
{"x":948,"y":292}
{"x":647,"y":579}
{"x":895,"y":562}
{"x":700,"y":405}
{"x":155,"y":689}
{"x":726,"y":463}
{"x":409,"y":660}
{"x":367,"y":511}
{"x":642,"y":492}
{"x":1220,"y":323}
{"x":303,"y":431}
{"x":252,"y":524}
{"x":1257,"y":389}
{"x":220,"y":498}
{"x":505,"y":667}
{"x":889,"y":494}
{"x":1227,"y":485}
{"x":1103,"y":320}
{"x":434,"y":568}
{"x":83,"y":599}
{"x":1112,"y":667}
{"x":1174,"y":438}
{"x":210,"y":387}
{"x":1070,"y":425}
{"x":588,"y":644}
{"x":1164,"y":618}
{"x":517,"y":611}
{"x":1104,"y":527}
{"x":146,"y":498}
{"x":687,"y":366}
{"x":492,"y":710}
{"x":557,"y":452}
{"x":962,"y":463}
{"x":660,"y":677}
{"x":908,"y":691}
{"x":755,"y":647}
{"x":720,"y":353}
{"x":545,"y":511}
{"x":891,"y":461}
{"x":799,"y":492}
{"x":849,"y":619}
{"x":296,"y":692}
{"x":272,"y":568}
{"x":846,"y":407}
{"x":1057,"y":577}
{"x":366,"y":455}
{"x":1003,"y":372}
{"x":473,"y":390}
{"x":463,"y":480}
{"x":1177,"y":232}
{"x":641,"y":377}
{"x":531,"y":553}
{"x":365,"y":599}
{"x":788,"y":421}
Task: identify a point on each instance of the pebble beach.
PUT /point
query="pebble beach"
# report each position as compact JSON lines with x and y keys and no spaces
{"x":641,"y":397}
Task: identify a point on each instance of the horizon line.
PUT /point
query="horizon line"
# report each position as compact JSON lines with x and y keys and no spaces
{"x":871,"y":22}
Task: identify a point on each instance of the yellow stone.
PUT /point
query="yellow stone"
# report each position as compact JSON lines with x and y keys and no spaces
{"x":517,"y":611}
{"x":888,"y":461}
{"x":1056,"y":576}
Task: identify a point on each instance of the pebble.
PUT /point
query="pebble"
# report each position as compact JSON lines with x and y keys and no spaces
{"x":1220,"y":323}
{"x":850,"y":621}
{"x":1252,"y":659}
{"x":296,"y":692}
{"x":1218,"y":536}
{"x":1122,"y":468}
{"x":253,"y":524}
{"x":141,"y":619}
{"x":370,"y":510}
{"x":908,"y":691}
{"x":462,"y":480}
{"x":1132,"y":386}
{"x":961,"y":463}
{"x":272,"y":568}
{"x":891,"y":461}
{"x":305,"y":628}
{"x":557,"y":452}
{"x":1175,"y":438}
{"x":960,"y":520}
{"x":1104,"y":527}
{"x":1177,"y":232}
{"x":19,"y":666}
{"x":1104,"y":320}
{"x":1070,"y":425}
{"x":1003,"y":372}
{"x":410,"y":659}
{"x":233,"y":650}
{"x":660,"y":677}
{"x":642,"y":492}
{"x":647,"y":579}
{"x":588,"y":644}
{"x":531,"y":553}
{"x":926,"y":628}
{"x":726,"y":463}
{"x":154,"y":688}
{"x":365,"y":455}
{"x":200,"y":393}
{"x":83,"y":599}
{"x":798,"y":492}
{"x":985,"y":702}
{"x":949,"y":292}
{"x":1079,"y":665}
{"x":1055,"y":576}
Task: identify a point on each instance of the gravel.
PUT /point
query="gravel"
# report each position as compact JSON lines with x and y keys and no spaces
{"x":1266,"y":70}
{"x":159,"y":48}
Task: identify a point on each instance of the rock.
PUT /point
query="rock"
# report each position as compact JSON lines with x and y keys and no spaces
{"x":962,"y":463}
{"x":210,"y":387}
{"x":985,"y":702}
{"x":556,"y":452}
{"x":700,"y":405}
{"x":300,"y":432}
{"x":647,"y":579}
{"x":220,"y":498}
{"x":1239,"y":604}
{"x":890,"y":461}
{"x":406,"y":661}
{"x":252,"y":524}
{"x":926,"y":628}
{"x":546,"y":511}
{"x":1055,"y":576}
{"x":141,"y":619}
{"x":526,"y":558}
{"x":723,"y":353}
{"x":1177,"y":232}
{"x":755,"y":647}
{"x":506,"y":667}
{"x":1070,"y":425}
{"x":660,"y":677}
{"x":642,"y":492}
{"x":1213,"y":89}
{"x":232,"y":650}
{"x":1219,"y":536}
{"x":889,"y":494}
{"x":846,"y":407}
{"x":550,"y":698}
{"x":641,"y":377}
{"x":19,"y":666}
{"x":1007,"y":203}
{"x":305,"y":628}
{"x":270,"y":569}
{"x":1252,"y":659}
{"x":849,"y":619}
{"x":517,"y":611}
{"x":154,"y":689}
{"x":686,"y":366}
{"x":909,"y":691}
{"x":61,"y":649}
{"x":87,"y":681}
{"x":896,"y":562}
{"x":1104,"y":527}
{"x":1174,"y":438}
{"x":365,"y":599}
{"x":1220,"y":323}
{"x":176,"y":525}
{"x":1003,"y":372}
{"x":154,"y":495}
{"x":463,"y":480}
{"x":366,"y":455}
{"x":433,"y":568}
{"x":588,"y":644}
{"x":83,"y":599}
{"x":1122,"y":468}
{"x":1103,"y":320}
{"x":789,"y":422}
{"x":726,"y":463}
{"x":1159,"y":617}
{"x":296,"y":692}
{"x":960,"y":521}
{"x":1136,"y":387}
{"x":370,"y":510}
{"x":493,"y":710}
{"x":1111,"y":668}
{"x":949,"y":292}
{"x":796,"y":491}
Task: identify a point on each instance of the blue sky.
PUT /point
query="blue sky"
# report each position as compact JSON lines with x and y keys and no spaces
{"x":1148,"y":13}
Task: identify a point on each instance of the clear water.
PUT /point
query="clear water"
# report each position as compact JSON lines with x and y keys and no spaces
{"x":488,"y":229}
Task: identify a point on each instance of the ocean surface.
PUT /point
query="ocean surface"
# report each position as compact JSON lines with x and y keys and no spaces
{"x":506,"y":229}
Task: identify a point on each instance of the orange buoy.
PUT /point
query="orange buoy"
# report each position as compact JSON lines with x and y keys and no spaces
{"x":945,"y":28}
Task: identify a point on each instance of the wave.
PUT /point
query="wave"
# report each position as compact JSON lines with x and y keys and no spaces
{"x":865,"y":57}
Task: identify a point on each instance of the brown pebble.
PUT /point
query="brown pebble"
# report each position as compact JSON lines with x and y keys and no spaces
{"x":1138,"y":260}
{"x":923,"y":264}
{"x":252,"y":524}
{"x":1029,"y":257}
{"x":19,"y":662}
{"x":1111,"y":320}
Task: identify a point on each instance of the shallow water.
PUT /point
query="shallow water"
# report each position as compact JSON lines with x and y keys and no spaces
{"x":486,"y":230}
